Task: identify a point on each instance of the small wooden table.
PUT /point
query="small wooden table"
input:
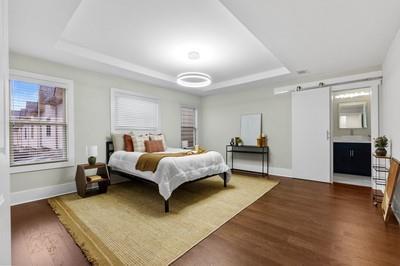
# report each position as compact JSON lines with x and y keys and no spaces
{"x":82,"y":180}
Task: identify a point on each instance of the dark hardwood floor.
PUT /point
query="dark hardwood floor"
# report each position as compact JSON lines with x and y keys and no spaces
{"x":38,"y":238}
{"x":297,"y":223}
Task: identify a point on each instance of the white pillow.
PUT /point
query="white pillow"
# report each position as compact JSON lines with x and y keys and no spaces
{"x":138,"y":142}
{"x":118,"y":141}
{"x":159,"y":137}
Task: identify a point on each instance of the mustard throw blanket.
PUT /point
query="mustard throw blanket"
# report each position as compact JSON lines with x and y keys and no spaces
{"x":150,"y":161}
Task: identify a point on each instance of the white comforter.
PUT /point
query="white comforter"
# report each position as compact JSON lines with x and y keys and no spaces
{"x":172,"y":171}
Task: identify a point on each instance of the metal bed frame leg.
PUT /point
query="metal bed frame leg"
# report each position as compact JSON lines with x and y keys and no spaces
{"x":166,"y":205}
{"x":224,"y":179}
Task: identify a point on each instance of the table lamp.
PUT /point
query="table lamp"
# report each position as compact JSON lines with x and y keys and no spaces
{"x":92,"y":154}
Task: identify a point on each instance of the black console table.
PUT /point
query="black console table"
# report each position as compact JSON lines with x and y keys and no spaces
{"x":263,"y":151}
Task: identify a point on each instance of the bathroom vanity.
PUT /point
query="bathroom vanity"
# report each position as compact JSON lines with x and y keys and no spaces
{"x":352,"y":155}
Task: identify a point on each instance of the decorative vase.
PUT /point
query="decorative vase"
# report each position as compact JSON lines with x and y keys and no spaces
{"x":92,"y":160}
{"x":259,"y":142}
{"x":381,"y":152}
{"x":232,"y":141}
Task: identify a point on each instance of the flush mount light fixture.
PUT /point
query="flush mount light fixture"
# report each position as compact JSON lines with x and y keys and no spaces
{"x":193,"y":55}
{"x":193,"y":79}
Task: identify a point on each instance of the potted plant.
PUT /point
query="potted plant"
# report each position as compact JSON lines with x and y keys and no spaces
{"x":238,"y":141}
{"x":380,"y":144}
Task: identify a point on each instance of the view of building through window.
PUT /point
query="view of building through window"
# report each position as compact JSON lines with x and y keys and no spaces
{"x":38,"y":128}
{"x":188,"y":126}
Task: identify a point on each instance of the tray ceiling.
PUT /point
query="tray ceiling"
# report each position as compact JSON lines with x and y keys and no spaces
{"x":238,"y":44}
{"x":152,"y":35}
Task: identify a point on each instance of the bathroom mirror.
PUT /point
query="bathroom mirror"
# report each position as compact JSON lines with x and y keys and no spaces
{"x":250,"y":128}
{"x":353,"y":115}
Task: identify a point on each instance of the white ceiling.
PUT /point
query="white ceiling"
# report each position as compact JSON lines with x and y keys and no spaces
{"x":322,"y":36}
{"x":242,"y":44}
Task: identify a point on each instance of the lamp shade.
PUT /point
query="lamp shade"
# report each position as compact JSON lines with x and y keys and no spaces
{"x":91,"y":151}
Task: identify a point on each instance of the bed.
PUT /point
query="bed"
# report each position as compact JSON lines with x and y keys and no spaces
{"x":171,"y":171}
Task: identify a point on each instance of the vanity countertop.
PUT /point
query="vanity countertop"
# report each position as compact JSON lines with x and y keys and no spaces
{"x":352,"y":139}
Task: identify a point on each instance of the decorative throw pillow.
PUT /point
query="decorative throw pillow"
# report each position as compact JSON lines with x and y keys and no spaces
{"x":159,"y":137}
{"x":138,"y":142}
{"x":128,"y":143}
{"x":118,"y":142}
{"x":153,"y":145}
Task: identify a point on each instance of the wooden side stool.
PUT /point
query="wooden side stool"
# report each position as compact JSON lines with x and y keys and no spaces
{"x":82,"y":180}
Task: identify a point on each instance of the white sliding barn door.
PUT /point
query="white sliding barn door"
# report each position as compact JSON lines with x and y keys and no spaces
{"x":311,"y":135}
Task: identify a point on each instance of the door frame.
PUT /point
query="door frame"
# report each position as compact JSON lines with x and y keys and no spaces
{"x":5,"y":220}
{"x":375,"y":86}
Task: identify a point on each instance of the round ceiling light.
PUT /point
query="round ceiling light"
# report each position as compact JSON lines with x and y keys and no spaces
{"x":193,"y":80}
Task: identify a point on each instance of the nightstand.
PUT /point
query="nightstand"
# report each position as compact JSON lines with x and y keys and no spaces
{"x":82,"y":180}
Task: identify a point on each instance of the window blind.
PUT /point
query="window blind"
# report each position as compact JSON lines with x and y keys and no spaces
{"x":188,"y":126}
{"x":133,"y":112}
{"x":38,"y":124}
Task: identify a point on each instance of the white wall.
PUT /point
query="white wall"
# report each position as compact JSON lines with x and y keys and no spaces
{"x":5,"y":228}
{"x":92,"y":114}
{"x":220,"y":121}
{"x":390,"y":96}
{"x":390,"y":106}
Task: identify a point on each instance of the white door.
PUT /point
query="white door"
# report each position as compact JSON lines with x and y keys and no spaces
{"x":311,"y":135}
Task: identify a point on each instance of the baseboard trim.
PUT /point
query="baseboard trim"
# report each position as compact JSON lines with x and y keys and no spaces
{"x":255,"y":166}
{"x":47,"y":192}
{"x":30,"y":195}
{"x":285,"y":172}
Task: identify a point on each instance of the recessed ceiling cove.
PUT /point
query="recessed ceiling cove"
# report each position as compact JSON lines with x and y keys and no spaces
{"x":162,"y":39}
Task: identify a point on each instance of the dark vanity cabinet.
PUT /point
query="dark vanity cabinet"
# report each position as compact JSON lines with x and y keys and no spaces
{"x":352,"y":158}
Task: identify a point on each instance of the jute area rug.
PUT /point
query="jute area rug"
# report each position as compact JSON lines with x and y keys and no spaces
{"x":128,"y":226}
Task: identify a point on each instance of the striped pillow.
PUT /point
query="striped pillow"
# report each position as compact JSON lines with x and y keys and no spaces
{"x":159,"y":137}
{"x":138,"y":142}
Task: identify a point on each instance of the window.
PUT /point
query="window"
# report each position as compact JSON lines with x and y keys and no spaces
{"x":39,"y":105}
{"x":48,"y":131}
{"x":133,"y":112}
{"x":188,"y":126}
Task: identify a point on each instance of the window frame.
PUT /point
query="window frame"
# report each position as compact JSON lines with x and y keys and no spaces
{"x":113,"y":93}
{"x":196,"y":125}
{"x":66,"y":84}
{"x":48,"y":131}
